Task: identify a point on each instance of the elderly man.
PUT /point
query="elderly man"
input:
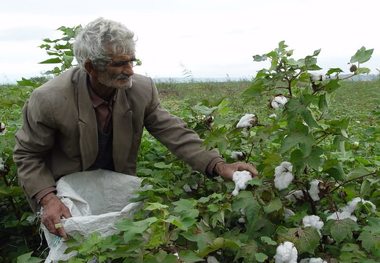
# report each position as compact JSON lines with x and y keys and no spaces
{"x":92,"y":117}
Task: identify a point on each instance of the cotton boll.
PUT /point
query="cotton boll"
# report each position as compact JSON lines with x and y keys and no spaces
{"x":212,"y":259}
{"x":2,"y":165}
{"x":314,"y":190}
{"x":313,"y":221}
{"x":341,"y":215}
{"x":283,"y":180}
{"x":240,"y":179}
{"x":295,"y":195}
{"x":241,"y":220}
{"x":352,"y":205}
{"x":187,"y":188}
{"x":237,"y":155}
{"x":288,"y":213}
{"x":247,"y":121}
{"x":273,"y":116}
{"x":286,"y":253}
{"x":278,"y":101}
{"x":312,"y":260}
{"x":3,"y":129}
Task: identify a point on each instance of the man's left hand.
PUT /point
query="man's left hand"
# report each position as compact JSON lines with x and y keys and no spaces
{"x":226,"y":170}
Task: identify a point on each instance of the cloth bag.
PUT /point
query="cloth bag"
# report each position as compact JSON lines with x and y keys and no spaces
{"x":97,"y":200}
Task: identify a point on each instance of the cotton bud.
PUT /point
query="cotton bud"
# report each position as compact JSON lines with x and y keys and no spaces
{"x":278,"y":101}
{"x":247,"y":121}
{"x":240,"y":179}
{"x":2,"y":128}
{"x":286,"y":253}
{"x":238,"y":155}
{"x":283,"y":175}
{"x":353,"y":68}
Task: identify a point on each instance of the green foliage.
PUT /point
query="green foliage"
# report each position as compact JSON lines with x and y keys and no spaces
{"x":187,"y":217}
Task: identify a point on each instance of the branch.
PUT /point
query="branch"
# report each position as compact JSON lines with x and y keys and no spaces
{"x":352,"y":180}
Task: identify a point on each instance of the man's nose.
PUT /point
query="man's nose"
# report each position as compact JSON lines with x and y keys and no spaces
{"x":128,"y":70}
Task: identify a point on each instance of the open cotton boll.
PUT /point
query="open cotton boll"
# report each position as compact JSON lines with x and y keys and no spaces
{"x":2,"y":165}
{"x":237,"y":155}
{"x":212,"y":259}
{"x":247,"y":121}
{"x":186,"y":188}
{"x":288,"y":213}
{"x":240,"y":179}
{"x":3,"y":129}
{"x":286,"y":253}
{"x":314,"y":190}
{"x":295,"y":195}
{"x":312,"y":260}
{"x":341,"y":215}
{"x":278,"y":101}
{"x":352,"y":205}
{"x":313,"y":221}
{"x":283,"y":180}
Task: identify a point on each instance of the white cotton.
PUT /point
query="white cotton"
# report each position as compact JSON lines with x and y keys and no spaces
{"x":288,"y":213}
{"x":313,"y":221}
{"x":295,"y":195}
{"x":314,"y":190}
{"x":283,"y":176}
{"x":273,"y":116}
{"x":341,"y":215}
{"x":237,"y":155}
{"x":186,"y":188}
{"x":283,"y":180}
{"x":3,"y":129}
{"x":351,"y":206}
{"x":2,"y":165}
{"x":241,"y":220}
{"x":312,"y":260}
{"x":240,"y":179}
{"x":247,"y":121}
{"x":278,"y":101}
{"x":286,"y":253}
{"x":212,"y":259}
{"x":176,"y":254}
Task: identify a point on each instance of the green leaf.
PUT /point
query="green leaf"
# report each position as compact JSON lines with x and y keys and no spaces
{"x":274,"y":205}
{"x":342,"y":229}
{"x":27,"y":258}
{"x":189,"y":256}
{"x":132,"y":229}
{"x":261,"y":257}
{"x":308,"y":240}
{"x":51,"y":61}
{"x":362,"y":55}
{"x":268,"y":240}
{"x":332,"y":85}
{"x":155,"y":206}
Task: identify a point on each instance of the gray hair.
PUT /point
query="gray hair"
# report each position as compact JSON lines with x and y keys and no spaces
{"x":100,"y":37}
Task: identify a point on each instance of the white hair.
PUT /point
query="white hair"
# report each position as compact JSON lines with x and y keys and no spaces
{"x":101,"y":37}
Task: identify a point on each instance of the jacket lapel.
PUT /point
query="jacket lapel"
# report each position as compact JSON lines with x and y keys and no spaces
{"x":88,"y":133}
{"x":122,"y":130}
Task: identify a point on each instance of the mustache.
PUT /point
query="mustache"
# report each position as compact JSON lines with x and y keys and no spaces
{"x":123,"y":77}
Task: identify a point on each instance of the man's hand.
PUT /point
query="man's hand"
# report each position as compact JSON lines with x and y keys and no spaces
{"x":53,"y":211}
{"x":226,"y":170}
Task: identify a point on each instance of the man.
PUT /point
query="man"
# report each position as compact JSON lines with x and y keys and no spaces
{"x":92,"y":117}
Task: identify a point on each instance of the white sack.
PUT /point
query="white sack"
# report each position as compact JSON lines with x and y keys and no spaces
{"x":97,"y":200}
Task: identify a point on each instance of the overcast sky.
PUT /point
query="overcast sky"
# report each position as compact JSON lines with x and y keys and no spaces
{"x":210,"y":38}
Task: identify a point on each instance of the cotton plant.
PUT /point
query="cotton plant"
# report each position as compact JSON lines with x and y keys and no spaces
{"x":283,"y":175}
{"x":278,"y":101}
{"x":247,"y":121}
{"x":240,"y":179}
{"x":314,"y":190}
{"x":346,"y":212}
{"x":286,"y":253}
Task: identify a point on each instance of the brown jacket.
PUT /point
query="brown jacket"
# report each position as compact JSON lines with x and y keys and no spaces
{"x":59,"y":132}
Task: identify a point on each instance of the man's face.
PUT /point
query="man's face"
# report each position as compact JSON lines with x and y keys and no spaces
{"x":118,"y":72}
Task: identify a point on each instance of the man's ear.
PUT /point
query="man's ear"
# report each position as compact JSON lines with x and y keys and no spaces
{"x":90,"y":68}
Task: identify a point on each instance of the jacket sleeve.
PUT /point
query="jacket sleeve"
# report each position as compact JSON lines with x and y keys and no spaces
{"x":34,"y":141}
{"x":177,"y":137}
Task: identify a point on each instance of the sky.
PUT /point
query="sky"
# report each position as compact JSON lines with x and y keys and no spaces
{"x":200,"y":38}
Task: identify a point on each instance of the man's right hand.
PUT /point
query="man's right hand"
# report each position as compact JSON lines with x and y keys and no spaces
{"x":53,"y":211}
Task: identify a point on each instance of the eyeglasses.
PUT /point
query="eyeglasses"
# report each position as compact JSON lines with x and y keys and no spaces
{"x":118,"y":64}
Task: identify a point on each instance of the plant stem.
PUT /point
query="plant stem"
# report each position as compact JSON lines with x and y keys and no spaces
{"x":352,"y":180}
